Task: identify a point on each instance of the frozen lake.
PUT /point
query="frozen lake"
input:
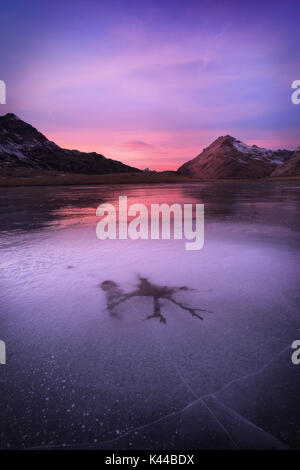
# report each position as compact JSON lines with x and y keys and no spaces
{"x":78,"y":377}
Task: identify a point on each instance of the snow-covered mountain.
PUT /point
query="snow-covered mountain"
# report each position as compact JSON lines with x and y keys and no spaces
{"x":24,"y":147}
{"x":289,"y":168}
{"x":228,"y":157}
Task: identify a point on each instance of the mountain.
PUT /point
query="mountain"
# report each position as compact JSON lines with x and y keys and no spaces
{"x":24,"y":147}
{"x":228,"y":157}
{"x":289,"y":168}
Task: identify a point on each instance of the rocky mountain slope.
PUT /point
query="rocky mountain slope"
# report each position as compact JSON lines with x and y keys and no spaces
{"x":24,"y":147}
{"x":228,"y":157}
{"x":289,"y":168}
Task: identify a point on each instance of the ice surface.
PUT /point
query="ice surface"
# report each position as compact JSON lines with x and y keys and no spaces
{"x":78,"y":377}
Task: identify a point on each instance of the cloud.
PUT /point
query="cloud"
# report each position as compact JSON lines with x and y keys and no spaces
{"x":136,"y":144}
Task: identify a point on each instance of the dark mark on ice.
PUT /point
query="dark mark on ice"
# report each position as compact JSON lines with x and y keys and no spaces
{"x":115,"y":296}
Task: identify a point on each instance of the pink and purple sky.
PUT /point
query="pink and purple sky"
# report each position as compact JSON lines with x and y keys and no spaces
{"x":152,"y":82}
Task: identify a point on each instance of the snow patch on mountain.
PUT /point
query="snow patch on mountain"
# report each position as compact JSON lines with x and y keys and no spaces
{"x":252,"y":150}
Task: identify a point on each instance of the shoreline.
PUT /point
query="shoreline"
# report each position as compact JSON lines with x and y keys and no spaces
{"x":74,"y":179}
